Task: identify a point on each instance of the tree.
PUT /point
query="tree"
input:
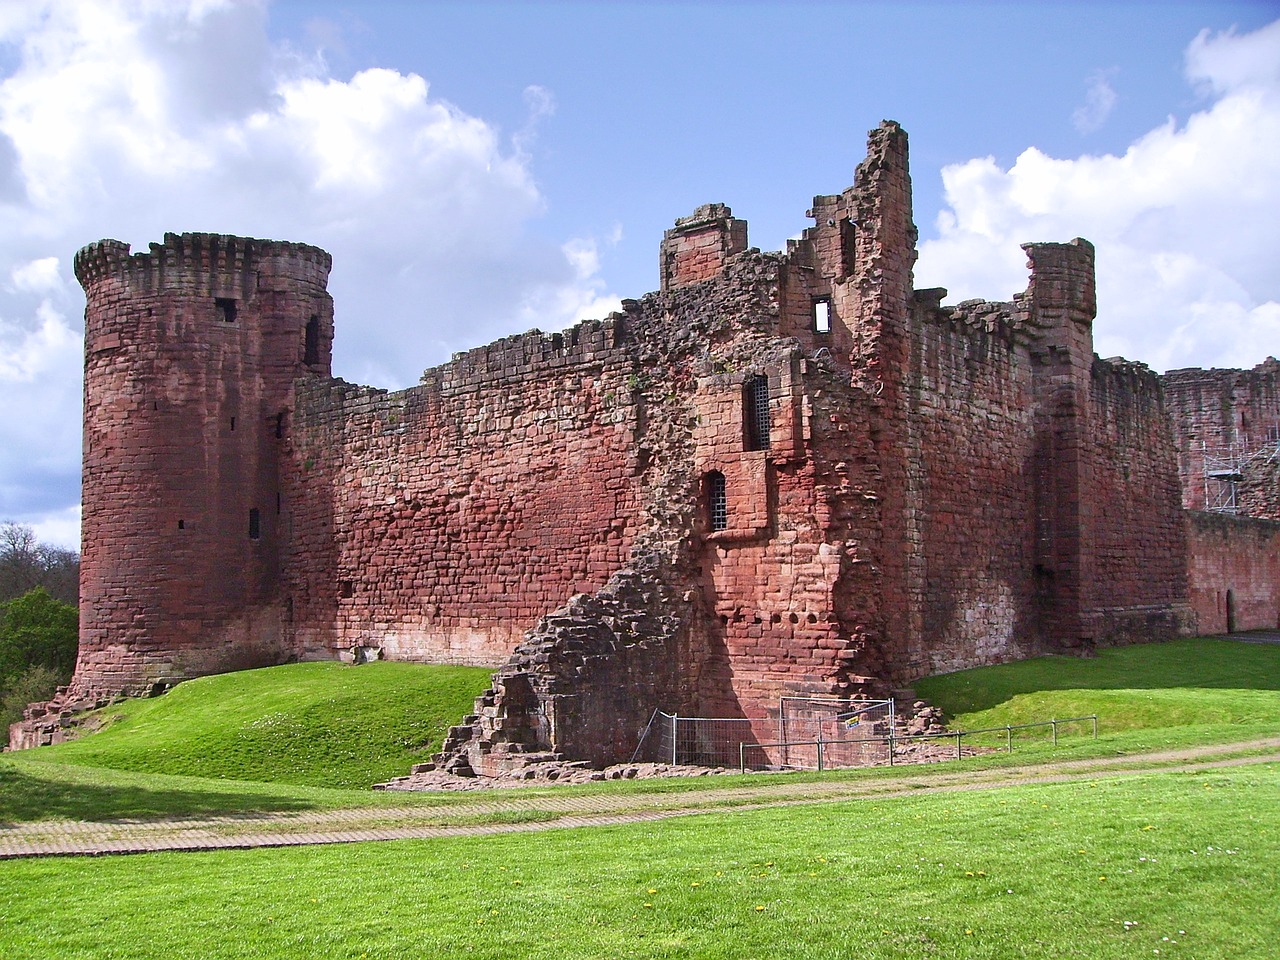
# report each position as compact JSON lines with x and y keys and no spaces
{"x":37,"y":631}
{"x":25,"y":563}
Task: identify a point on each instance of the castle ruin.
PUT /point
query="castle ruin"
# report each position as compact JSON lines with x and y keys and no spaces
{"x":784,"y":473}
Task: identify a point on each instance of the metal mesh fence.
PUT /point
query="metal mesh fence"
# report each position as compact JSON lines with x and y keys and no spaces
{"x":702,"y":741}
{"x":811,"y":734}
{"x":839,"y":729}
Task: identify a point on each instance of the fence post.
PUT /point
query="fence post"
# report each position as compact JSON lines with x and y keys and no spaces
{"x":674,"y":732}
{"x":958,"y":733}
{"x":891,"y":748}
{"x":1008,"y":738}
{"x":742,"y":756}
{"x":1054,"y":724}
{"x":1095,"y":726}
{"x":819,"y":749}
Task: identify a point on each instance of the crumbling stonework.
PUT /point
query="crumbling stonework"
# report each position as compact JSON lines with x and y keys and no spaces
{"x":781,"y":474}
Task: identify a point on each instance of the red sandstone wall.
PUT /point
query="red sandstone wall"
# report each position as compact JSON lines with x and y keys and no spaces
{"x":776,"y":578}
{"x":181,"y":406}
{"x":969,"y":450}
{"x":697,"y":247}
{"x":1234,"y":570}
{"x":1136,"y":540}
{"x":1224,"y":410}
{"x":463,"y":510}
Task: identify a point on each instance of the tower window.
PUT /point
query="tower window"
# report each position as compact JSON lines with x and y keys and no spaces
{"x":717,"y":501}
{"x":226,"y":309}
{"x":311,"y":345}
{"x":848,"y":245}
{"x":821,"y":314}
{"x":755,"y":412}
{"x":255,"y":524}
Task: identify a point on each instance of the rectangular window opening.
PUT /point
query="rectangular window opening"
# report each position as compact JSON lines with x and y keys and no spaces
{"x":822,"y":315}
{"x":717,"y":501}
{"x":311,"y":345}
{"x":182,"y":524}
{"x":755,"y":412}
{"x":233,"y":424}
{"x":255,"y":524}
{"x":226,"y":309}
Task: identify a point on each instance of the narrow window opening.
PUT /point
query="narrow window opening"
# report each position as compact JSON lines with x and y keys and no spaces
{"x":226,"y":309}
{"x":182,"y":524}
{"x":233,"y":424}
{"x":346,"y":589}
{"x":279,"y":425}
{"x":311,"y":345}
{"x":255,"y":524}
{"x":822,"y":315}
{"x":755,"y":412}
{"x":717,"y":501}
{"x":848,"y":245}
{"x":278,"y":501}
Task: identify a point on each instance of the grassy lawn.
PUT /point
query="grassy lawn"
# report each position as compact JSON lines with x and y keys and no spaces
{"x":1175,"y":686}
{"x":1186,"y":864}
{"x":309,"y":724}
{"x":299,"y":731}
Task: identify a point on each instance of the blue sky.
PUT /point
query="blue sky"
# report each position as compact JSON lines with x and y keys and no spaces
{"x":481,"y":169}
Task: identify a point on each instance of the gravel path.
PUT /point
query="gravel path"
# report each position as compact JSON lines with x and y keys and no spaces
{"x":478,"y":815}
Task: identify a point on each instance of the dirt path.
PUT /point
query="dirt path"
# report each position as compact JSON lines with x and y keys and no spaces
{"x":517,"y":811}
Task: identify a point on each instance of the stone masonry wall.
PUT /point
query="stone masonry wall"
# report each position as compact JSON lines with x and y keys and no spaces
{"x":972,"y":549}
{"x":191,"y":352}
{"x":1226,"y":411}
{"x":460,"y":511}
{"x":1137,"y":537}
{"x":1234,"y":572}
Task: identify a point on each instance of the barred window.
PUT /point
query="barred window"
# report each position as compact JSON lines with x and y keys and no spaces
{"x":717,"y":501}
{"x":755,"y":412}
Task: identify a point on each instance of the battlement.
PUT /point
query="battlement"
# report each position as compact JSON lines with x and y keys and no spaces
{"x":204,"y":263}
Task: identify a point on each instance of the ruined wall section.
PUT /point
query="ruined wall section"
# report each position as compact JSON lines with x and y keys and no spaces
{"x":191,"y":353}
{"x":462,"y":510}
{"x":1234,"y":416}
{"x":1136,"y":541}
{"x":721,"y":621}
{"x":972,"y":555}
{"x":1234,"y":570}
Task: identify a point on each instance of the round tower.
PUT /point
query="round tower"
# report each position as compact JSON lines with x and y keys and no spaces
{"x":191,"y":353}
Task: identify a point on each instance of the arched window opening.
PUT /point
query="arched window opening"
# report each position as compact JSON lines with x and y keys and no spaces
{"x":755,"y":412}
{"x":717,"y":501}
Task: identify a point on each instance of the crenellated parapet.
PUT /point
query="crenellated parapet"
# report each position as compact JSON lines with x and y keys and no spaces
{"x":200,"y":263}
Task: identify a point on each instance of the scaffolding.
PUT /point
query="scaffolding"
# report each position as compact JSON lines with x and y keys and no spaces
{"x":1225,"y":468}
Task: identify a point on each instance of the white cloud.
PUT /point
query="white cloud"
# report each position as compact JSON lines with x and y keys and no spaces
{"x":57,"y":528}
{"x":130,"y":118}
{"x":37,"y":276}
{"x":1186,"y":222}
{"x":1099,"y":101}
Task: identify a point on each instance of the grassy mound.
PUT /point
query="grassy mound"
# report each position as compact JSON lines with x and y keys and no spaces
{"x":313,"y":724}
{"x":1184,"y":683}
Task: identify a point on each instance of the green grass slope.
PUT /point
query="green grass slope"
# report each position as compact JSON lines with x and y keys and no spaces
{"x":312,"y":724}
{"x":1181,"y":865}
{"x":1198,"y":682}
